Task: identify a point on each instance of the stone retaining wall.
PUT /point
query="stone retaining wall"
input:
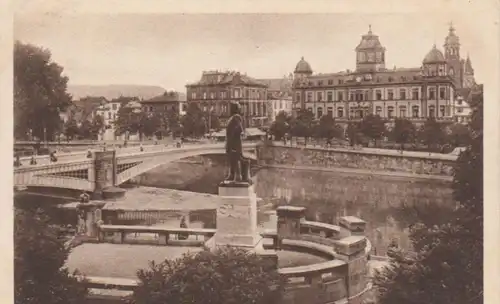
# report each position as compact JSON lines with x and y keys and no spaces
{"x":373,"y":161}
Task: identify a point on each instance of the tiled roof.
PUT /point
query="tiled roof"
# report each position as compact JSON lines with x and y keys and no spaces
{"x":167,"y":97}
{"x":277,"y":84}
{"x":382,"y":76}
{"x":229,"y":77}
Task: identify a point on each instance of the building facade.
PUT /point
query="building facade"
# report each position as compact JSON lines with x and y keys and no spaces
{"x":216,"y":90}
{"x":414,"y":93}
{"x":279,"y":95}
{"x":168,"y":101}
{"x":109,"y":112}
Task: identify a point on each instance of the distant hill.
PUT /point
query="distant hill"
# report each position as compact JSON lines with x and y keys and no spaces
{"x":115,"y":91}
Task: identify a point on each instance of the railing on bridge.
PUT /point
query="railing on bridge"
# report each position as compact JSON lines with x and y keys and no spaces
{"x":82,"y":170}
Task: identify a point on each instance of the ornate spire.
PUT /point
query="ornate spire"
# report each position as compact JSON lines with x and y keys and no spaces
{"x":370,"y":29}
{"x":451,"y":29}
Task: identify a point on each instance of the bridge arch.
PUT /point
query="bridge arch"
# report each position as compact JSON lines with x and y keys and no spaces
{"x":130,"y":166}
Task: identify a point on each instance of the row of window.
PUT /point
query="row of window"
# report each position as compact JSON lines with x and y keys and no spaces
{"x":254,"y":109}
{"x":281,"y":105}
{"x":360,"y":112}
{"x":403,"y":94}
{"x":368,"y":77}
{"x":235,"y":93}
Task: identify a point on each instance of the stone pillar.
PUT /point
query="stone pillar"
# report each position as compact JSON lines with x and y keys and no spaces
{"x":352,"y":248}
{"x":90,"y":216}
{"x":351,"y":225}
{"x":105,"y":176}
{"x":105,"y":171}
{"x":289,"y":218}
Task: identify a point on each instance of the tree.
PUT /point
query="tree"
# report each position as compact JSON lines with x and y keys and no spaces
{"x":150,"y":124}
{"x":229,"y":275}
{"x":71,"y":128}
{"x":432,"y":133}
{"x":39,"y":258}
{"x":193,"y":122}
{"x":447,"y":263}
{"x":212,"y":120}
{"x":327,"y":128}
{"x":128,"y":120}
{"x":302,"y":124}
{"x":39,"y":92}
{"x":85,"y":129}
{"x":97,"y":125}
{"x":280,"y":126}
{"x":173,"y":123}
{"x":403,"y":131}
{"x":353,"y":133}
{"x":373,"y":127}
{"x":459,"y":135}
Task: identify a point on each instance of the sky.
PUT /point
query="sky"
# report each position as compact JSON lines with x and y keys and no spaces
{"x":171,"y":50}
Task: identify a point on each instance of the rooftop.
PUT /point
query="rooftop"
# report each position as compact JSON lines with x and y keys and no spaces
{"x":167,"y":97}
{"x":227,"y":78}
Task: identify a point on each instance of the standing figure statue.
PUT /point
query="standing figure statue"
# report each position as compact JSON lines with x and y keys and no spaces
{"x":238,"y":165}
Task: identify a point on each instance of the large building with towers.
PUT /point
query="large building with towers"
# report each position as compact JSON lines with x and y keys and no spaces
{"x":429,"y":90}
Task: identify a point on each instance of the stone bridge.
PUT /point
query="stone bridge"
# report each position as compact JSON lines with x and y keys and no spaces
{"x":97,"y":170}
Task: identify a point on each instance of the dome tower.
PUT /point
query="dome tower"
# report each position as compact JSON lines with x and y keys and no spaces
{"x":303,"y":68}
{"x":434,"y":63}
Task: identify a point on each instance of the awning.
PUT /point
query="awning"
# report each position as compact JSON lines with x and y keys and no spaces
{"x":254,"y":132}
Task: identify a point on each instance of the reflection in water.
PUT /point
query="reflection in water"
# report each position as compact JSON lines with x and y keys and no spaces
{"x":389,"y":205}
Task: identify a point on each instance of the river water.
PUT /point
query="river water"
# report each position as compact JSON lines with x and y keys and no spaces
{"x":389,"y":205}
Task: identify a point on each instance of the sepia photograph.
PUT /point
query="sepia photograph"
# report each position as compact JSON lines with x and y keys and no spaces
{"x":274,"y":157}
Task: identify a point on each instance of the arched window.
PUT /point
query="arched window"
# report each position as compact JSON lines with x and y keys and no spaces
{"x":452,"y":71}
{"x":378,"y":111}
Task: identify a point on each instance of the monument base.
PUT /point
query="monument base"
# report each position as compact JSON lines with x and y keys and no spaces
{"x":237,"y":221}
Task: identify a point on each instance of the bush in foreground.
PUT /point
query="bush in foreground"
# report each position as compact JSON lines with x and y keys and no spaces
{"x":228,"y":275}
{"x":39,"y":258}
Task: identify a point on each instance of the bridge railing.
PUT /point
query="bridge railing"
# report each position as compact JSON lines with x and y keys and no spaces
{"x":120,"y":151}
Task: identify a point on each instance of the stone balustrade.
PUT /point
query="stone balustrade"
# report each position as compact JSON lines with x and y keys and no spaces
{"x":119,"y":233}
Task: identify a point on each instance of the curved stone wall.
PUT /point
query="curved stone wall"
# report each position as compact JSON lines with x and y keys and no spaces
{"x":341,"y":279}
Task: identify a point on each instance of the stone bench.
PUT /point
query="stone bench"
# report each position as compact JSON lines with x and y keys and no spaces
{"x":120,"y":231}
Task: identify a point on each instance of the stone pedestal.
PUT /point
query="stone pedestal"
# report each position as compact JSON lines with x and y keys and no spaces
{"x":90,"y":214}
{"x":237,"y":220}
{"x":237,"y":216}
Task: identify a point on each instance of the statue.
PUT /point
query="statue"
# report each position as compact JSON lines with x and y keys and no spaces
{"x":238,"y":165}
